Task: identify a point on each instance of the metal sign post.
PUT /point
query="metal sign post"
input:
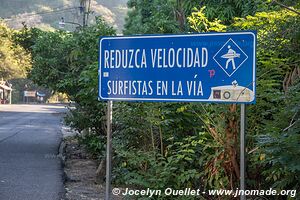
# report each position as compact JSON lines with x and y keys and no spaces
{"x":207,"y":67}
{"x":108,"y":150}
{"x":242,"y":154}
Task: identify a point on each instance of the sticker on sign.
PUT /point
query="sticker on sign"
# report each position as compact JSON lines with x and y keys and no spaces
{"x":210,"y":67}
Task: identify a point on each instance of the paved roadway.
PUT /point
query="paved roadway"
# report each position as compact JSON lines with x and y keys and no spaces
{"x":29,"y":141}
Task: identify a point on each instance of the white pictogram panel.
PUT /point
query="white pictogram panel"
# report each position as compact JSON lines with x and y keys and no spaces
{"x":230,"y":57}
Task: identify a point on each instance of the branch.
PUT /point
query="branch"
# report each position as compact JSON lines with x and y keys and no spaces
{"x":284,"y":6}
{"x":292,"y":123}
{"x":290,"y":126}
{"x":251,"y":151}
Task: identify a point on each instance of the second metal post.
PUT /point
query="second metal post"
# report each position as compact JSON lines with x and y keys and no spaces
{"x":242,"y":151}
{"x":108,"y":150}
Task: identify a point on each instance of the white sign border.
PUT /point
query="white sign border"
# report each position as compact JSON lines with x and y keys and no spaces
{"x":172,"y":36}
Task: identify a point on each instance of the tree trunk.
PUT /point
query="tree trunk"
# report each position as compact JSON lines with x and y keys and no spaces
{"x":231,"y":141}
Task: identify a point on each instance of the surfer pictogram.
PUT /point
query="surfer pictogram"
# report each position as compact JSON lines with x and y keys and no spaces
{"x":230,"y":56}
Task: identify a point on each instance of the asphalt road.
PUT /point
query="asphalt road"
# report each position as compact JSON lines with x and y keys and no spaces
{"x":29,"y":141}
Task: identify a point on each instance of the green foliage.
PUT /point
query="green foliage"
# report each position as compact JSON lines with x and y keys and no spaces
{"x":66,"y":62}
{"x":155,"y":16}
{"x":278,"y":31}
{"x":180,"y":168}
{"x":187,"y":135}
{"x":154,"y":122}
{"x":94,"y":143}
{"x":226,"y":10}
{"x":89,"y":112}
{"x":14,"y":60}
{"x":274,"y":150}
{"x":200,"y":23}
{"x":59,"y":57}
{"x":278,"y":54}
{"x":280,"y":143}
{"x":26,"y":37}
{"x":50,"y":59}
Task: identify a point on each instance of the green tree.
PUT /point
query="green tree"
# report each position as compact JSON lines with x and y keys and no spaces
{"x":280,"y":143}
{"x":155,"y":16}
{"x":59,"y":57}
{"x":14,"y":60}
{"x":50,"y":61}
{"x":67,"y":62}
{"x":272,"y":137}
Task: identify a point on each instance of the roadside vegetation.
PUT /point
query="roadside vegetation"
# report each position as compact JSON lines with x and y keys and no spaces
{"x":14,"y":59}
{"x":179,"y":145}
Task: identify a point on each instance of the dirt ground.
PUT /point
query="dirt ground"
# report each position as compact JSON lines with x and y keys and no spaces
{"x":80,"y":171}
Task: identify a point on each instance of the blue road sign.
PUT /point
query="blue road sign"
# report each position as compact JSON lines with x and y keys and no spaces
{"x":210,"y":67}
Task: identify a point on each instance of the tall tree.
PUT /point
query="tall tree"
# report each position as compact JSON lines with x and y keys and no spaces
{"x":14,"y":60}
{"x":155,"y":16}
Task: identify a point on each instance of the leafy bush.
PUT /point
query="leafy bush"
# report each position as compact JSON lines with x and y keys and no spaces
{"x":280,"y":145}
{"x":180,"y":168}
{"x":94,"y":144}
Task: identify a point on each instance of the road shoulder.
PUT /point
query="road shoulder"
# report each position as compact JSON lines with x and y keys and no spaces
{"x":80,"y":170}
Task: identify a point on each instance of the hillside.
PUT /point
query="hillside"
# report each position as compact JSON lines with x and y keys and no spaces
{"x":47,"y":14}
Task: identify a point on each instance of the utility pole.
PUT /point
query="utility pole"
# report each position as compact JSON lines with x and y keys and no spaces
{"x":88,"y":11}
{"x":85,"y":6}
